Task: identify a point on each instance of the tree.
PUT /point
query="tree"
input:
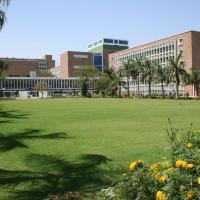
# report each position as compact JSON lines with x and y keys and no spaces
{"x":127,"y":74}
{"x":3,"y":5}
{"x":161,"y":76}
{"x":111,"y":82}
{"x":148,"y":73}
{"x":135,"y":69}
{"x":3,"y":67}
{"x":120,"y":81}
{"x":41,"y":87}
{"x":177,"y":72}
{"x":46,"y":74}
{"x":85,"y":73}
{"x":195,"y":80}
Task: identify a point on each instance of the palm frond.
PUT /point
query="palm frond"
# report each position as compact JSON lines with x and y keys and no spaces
{"x":4,"y":2}
{"x":2,"y":18}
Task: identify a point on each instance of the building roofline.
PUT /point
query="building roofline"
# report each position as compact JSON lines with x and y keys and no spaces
{"x":22,"y":59}
{"x":148,"y":43}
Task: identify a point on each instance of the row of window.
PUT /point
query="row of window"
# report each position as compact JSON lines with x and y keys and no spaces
{"x":31,"y":84}
{"x":109,"y":41}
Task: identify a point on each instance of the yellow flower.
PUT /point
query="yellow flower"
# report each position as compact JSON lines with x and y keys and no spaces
{"x":162,"y":179}
{"x":133,"y":165}
{"x":182,"y":188}
{"x":190,"y":194}
{"x":160,"y":196}
{"x":155,"y":166}
{"x":198,"y":180}
{"x":190,"y":166}
{"x":139,"y":161}
{"x":181,"y":163}
{"x":157,"y":175}
{"x":189,"y":145}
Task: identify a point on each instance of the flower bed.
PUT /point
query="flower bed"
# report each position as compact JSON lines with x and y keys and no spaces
{"x":175,"y":179}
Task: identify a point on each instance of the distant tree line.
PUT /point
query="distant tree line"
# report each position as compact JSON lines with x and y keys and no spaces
{"x":140,"y":70}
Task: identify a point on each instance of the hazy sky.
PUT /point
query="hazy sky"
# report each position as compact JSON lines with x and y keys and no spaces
{"x":37,"y":27}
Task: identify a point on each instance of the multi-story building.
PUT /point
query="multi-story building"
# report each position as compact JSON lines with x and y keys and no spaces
{"x":71,"y":60}
{"x":21,"y":67}
{"x":96,"y":56}
{"x":102,"y":48}
{"x":187,"y":43}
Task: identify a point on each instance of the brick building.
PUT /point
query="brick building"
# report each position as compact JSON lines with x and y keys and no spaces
{"x":187,"y":43}
{"x":96,"y":56}
{"x":21,"y":67}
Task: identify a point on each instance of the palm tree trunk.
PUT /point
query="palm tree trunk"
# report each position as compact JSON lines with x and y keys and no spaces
{"x":196,"y":88}
{"x":128,"y":89}
{"x":177,"y":90}
{"x":149,"y":89}
{"x":120,"y":91}
{"x":163,"y":92}
{"x":138,"y":86}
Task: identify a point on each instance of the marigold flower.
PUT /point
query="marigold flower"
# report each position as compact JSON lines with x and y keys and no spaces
{"x":190,"y":194}
{"x":189,"y":145}
{"x":133,"y":166}
{"x":157,"y":175}
{"x":190,"y":166}
{"x":160,"y":196}
{"x":162,"y":179}
{"x":139,"y":161}
{"x":198,"y":180}
{"x":181,"y":164}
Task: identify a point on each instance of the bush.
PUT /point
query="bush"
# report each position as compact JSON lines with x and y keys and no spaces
{"x":175,"y":179}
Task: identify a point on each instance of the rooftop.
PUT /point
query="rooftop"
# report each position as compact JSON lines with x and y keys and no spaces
{"x":109,"y":41}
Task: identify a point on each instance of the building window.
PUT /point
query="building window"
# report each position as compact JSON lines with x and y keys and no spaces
{"x":43,"y":66}
{"x":97,"y":59}
{"x":123,"y":42}
{"x":108,"y":41}
{"x":180,"y":42}
{"x":181,"y":52}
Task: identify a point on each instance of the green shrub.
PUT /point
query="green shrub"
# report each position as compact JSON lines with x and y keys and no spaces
{"x":175,"y":179}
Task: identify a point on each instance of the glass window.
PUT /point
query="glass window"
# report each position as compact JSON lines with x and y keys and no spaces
{"x":123,"y":42}
{"x":163,"y":49}
{"x":108,"y":41}
{"x":98,"y":61}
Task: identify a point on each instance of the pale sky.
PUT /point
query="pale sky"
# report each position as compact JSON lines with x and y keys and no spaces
{"x":37,"y":27}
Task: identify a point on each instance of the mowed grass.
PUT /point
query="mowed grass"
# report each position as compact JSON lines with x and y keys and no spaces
{"x":59,"y":145}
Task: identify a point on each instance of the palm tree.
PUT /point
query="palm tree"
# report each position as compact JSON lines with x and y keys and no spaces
{"x":137,"y":70}
{"x":121,"y":82}
{"x":177,"y":72}
{"x":85,"y":73}
{"x":3,"y":67}
{"x":127,"y":74}
{"x":3,"y":5}
{"x":195,"y":80}
{"x":161,"y":76}
{"x":148,"y":73}
{"x":114,"y":81}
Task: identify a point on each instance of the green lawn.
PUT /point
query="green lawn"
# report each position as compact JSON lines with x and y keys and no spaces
{"x":57,"y":145}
